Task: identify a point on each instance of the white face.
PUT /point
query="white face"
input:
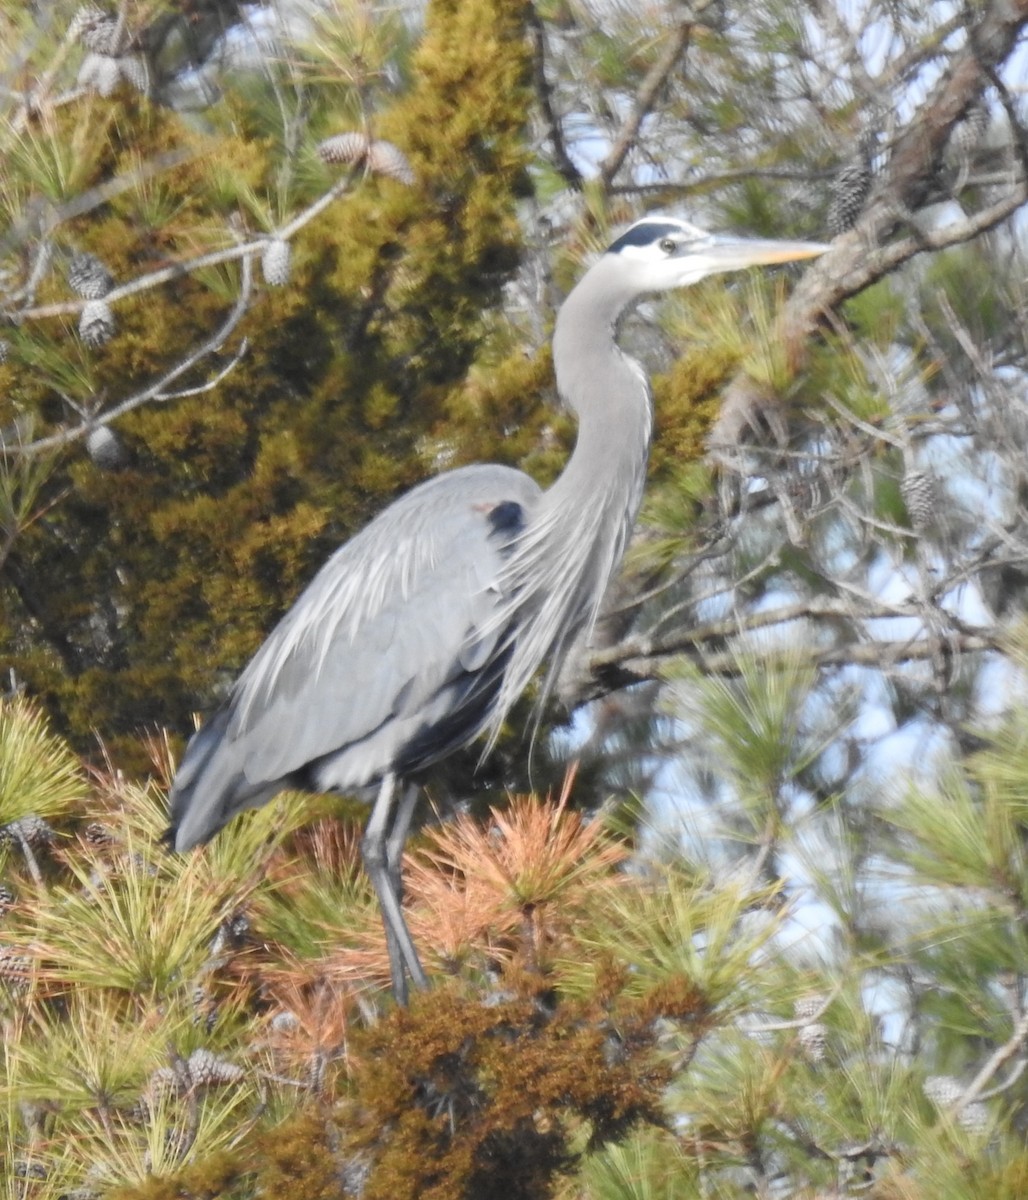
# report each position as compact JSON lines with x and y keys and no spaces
{"x":664,"y":252}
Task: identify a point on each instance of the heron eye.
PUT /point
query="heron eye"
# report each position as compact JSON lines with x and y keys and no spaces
{"x":668,"y":245}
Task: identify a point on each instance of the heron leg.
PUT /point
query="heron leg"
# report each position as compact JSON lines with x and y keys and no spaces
{"x":397,"y":838}
{"x":381,"y":847}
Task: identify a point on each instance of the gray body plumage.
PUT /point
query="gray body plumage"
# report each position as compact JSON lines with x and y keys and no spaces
{"x":419,"y":634}
{"x":392,"y":638}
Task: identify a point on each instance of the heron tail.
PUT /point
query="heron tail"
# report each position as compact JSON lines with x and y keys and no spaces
{"x":211,"y":786}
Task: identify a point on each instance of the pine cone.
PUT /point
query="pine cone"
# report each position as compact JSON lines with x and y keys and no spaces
{"x":141,"y":865}
{"x":285,"y":1021}
{"x":974,"y":1117}
{"x":345,"y":148}
{"x":96,"y":324}
{"x":89,"y":277}
{"x":945,"y":1090}
{"x":101,"y":35}
{"x":108,"y":76}
{"x":969,"y":133}
{"x":383,"y":158}
{"x":162,"y":1082}
{"x":90,"y":69}
{"x":813,"y":1040}
{"x":107,"y":451}
{"x":14,"y":969}
{"x":848,"y":191}
{"x":942,"y":1090}
{"x":275,"y":262}
{"x":918,"y":491}
{"x":806,"y":1008}
{"x":30,"y":829}
{"x":205,"y":1008}
{"x":98,"y":835}
{"x":206,"y":1070}
{"x":201,"y":1070}
{"x":23,"y":1169}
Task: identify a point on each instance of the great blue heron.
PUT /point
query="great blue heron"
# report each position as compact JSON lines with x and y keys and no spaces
{"x":420,"y":633}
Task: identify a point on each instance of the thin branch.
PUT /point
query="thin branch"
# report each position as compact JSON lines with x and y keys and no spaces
{"x":716,"y":179}
{"x":158,"y":390}
{"x":242,"y":252}
{"x":798,"y":1022}
{"x":211,"y":384}
{"x":996,"y":1060}
{"x":888,"y":258}
{"x":1011,"y":1079}
{"x":33,"y":100}
{"x":30,"y":858}
{"x":646,"y":646}
{"x":640,"y":658}
{"x":544,"y":93}
{"x":863,"y":255}
{"x":646,"y":97}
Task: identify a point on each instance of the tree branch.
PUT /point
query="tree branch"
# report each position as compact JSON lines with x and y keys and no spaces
{"x":861,"y":256}
{"x":158,"y":390}
{"x":187,"y":266}
{"x":544,"y":93}
{"x":995,"y":1061}
{"x":642,"y":657}
{"x":656,"y":78}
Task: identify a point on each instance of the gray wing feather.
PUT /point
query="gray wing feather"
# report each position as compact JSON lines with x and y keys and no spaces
{"x":387,"y":622}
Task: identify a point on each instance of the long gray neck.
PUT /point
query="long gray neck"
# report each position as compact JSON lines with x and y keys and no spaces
{"x":608,"y":393}
{"x":577,"y":534}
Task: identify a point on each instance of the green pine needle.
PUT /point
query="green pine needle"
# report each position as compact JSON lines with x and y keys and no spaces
{"x":38,"y":773}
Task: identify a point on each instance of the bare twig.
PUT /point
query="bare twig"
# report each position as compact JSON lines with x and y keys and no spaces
{"x":798,"y":1022}
{"x":35,"y":99}
{"x":211,"y":384}
{"x":998,"y":1059}
{"x":30,"y":858}
{"x":544,"y":93}
{"x":1016,"y":1072}
{"x":649,"y":89}
{"x":188,"y":266}
{"x":671,"y":189}
{"x":158,"y":390}
{"x":640,"y":658}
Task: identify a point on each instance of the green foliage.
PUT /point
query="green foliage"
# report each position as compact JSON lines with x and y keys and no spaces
{"x":645,"y":1166}
{"x":634,"y":1034}
{"x":734,"y":321}
{"x":674,"y":941}
{"x":320,"y":895}
{"x":686,"y":403}
{"x":966,"y":295}
{"x":755,"y":726}
{"x":876,"y":313}
{"x":39,"y":775}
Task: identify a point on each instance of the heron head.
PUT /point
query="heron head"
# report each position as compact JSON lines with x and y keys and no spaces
{"x":659,"y":253}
